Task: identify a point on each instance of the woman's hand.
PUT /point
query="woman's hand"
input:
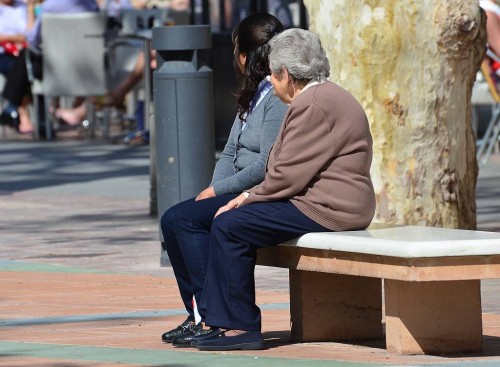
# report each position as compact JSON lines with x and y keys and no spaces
{"x":235,"y":203}
{"x":205,"y":194}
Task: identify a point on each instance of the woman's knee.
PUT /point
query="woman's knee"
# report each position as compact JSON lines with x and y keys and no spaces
{"x":179,"y":217}
{"x":166,"y":221}
{"x":226,"y":224}
{"x":171,"y":216}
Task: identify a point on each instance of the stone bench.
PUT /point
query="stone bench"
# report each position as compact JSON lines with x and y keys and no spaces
{"x":431,"y":286}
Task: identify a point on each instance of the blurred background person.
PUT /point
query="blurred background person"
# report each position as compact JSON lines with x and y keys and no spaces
{"x":116,"y":97}
{"x":14,"y":23}
{"x":492,"y":10}
{"x":17,"y":90}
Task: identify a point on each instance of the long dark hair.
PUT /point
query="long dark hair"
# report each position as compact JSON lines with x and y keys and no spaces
{"x":252,"y":36}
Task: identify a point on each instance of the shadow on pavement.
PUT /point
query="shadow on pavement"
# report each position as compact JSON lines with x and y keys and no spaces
{"x":37,"y":165}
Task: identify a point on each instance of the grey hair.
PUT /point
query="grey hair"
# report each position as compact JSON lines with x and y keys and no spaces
{"x":300,"y":52}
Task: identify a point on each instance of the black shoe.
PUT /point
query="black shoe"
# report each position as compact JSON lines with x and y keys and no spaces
{"x":248,"y":340}
{"x":9,"y":117}
{"x":184,"y":328}
{"x":190,"y":340}
{"x":210,"y":333}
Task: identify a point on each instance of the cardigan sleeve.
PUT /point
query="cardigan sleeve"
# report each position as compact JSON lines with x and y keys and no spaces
{"x":307,"y":145}
{"x":224,"y":166}
{"x":253,"y":174}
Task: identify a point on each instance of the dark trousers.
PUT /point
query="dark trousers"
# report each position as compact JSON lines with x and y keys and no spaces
{"x":186,"y":232}
{"x":229,"y":293}
{"x":6,"y":62}
{"x":18,"y":84}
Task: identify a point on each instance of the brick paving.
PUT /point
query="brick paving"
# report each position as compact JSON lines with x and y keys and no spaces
{"x":81,"y":285}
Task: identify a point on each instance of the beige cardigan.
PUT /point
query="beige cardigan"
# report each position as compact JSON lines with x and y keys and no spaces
{"x":321,"y":160}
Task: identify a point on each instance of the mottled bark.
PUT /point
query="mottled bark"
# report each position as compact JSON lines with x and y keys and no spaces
{"x":411,"y":64}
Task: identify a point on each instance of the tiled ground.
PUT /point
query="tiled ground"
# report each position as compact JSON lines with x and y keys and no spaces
{"x":43,"y":312}
{"x":80,"y":282}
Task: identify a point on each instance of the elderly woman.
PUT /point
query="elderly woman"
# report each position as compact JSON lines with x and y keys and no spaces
{"x":317,"y":180}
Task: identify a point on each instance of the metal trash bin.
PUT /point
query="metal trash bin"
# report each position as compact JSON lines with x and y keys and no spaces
{"x":184,"y":113}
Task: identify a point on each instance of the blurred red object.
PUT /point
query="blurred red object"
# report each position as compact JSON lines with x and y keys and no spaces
{"x":12,"y":48}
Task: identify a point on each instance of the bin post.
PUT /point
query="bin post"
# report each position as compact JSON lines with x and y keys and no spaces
{"x":184,"y":113}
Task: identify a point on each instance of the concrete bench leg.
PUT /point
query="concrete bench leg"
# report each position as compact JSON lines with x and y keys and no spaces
{"x":333,"y":307}
{"x":433,"y":317}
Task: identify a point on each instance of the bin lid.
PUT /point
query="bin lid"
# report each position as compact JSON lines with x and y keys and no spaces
{"x":179,"y":71}
{"x":182,"y":37}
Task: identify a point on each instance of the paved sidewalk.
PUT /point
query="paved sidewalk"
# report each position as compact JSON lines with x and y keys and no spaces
{"x":81,"y":285}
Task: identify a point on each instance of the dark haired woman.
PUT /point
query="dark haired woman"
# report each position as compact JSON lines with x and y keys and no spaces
{"x":186,"y":226}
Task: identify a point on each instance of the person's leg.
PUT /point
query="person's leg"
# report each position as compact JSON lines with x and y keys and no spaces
{"x":175,"y":257}
{"x":132,"y":78}
{"x":25,"y":125}
{"x":17,"y":84}
{"x":186,"y":232}
{"x":117,"y":95}
{"x":229,"y":295}
{"x":74,"y":115}
{"x":17,"y":92}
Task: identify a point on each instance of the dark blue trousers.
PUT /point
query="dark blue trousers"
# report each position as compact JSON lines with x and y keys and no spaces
{"x":6,"y":62}
{"x":229,"y":293}
{"x":186,"y":232}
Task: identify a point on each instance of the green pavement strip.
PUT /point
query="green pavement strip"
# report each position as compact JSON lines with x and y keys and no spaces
{"x":169,"y":358}
{"x":21,"y":266}
{"x":160,"y":358}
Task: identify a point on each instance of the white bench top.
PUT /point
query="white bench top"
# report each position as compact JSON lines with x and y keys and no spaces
{"x":405,"y":241}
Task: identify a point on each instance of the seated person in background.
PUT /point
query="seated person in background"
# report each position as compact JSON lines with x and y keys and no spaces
{"x":17,"y":89}
{"x":14,"y":23}
{"x":112,"y":9}
{"x":492,"y":10}
{"x":317,"y":180}
{"x":115,"y":98}
{"x":77,"y":113}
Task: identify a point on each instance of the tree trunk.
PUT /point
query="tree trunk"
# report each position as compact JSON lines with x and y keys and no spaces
{"x":411,"y":64}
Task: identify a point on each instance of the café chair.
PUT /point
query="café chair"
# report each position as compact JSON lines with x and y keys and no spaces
{"x":74,"y":63}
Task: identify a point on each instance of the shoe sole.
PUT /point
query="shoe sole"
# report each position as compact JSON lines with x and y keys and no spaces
{"x":182,"y":345}
{"x":242,"y":346}
{"x":170,"y":341}
{"x":192,"y":344}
